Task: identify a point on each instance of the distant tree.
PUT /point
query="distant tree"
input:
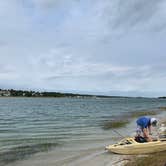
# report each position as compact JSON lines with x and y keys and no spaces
{"x":163,"y":97}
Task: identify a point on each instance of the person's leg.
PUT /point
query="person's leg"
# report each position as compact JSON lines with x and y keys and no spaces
{"x":139,"y":138}
{"x":138,"y":131}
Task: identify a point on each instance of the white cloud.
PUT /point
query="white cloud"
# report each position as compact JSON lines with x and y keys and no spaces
{"x":90,"y":45}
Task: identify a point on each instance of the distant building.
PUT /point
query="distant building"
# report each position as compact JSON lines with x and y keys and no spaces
{"x":4,"y":93}
{"x":40,"y":94}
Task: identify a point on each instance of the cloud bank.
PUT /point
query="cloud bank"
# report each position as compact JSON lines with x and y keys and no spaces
{"x":109,"y":47}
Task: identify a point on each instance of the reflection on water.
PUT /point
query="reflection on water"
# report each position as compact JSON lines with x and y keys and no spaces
{"x":22,"y":152}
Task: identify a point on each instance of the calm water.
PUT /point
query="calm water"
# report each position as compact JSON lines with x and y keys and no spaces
{"x":30,"y":125}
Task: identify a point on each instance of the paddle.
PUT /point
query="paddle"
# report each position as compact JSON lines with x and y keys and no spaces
{"x":118,"y":133}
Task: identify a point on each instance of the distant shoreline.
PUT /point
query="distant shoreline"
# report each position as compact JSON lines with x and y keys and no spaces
{"x":81,"y":97}
{"x":44,"y":94}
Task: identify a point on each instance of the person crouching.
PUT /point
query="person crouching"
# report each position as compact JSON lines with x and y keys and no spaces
{"x":144,"y":127}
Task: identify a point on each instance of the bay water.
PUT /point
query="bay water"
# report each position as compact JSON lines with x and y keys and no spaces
{"x":32,"y":125}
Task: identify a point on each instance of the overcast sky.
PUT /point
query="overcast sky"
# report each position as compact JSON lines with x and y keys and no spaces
{"x":113,"y":47}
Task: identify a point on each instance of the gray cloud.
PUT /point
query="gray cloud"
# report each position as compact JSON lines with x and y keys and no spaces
{"x":91,"y":45}
{"x":2,"y":43}
{"x":47,"y":4}
{"x":131,"y":13}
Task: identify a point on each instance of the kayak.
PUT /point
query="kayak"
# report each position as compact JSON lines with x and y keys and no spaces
{"x":130,"y":146}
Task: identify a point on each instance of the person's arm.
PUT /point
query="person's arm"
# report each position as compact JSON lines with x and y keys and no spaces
{"x":150,"y":129}
{"x":146,"y":135}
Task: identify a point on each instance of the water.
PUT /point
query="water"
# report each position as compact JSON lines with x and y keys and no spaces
{"x":31,"y":125}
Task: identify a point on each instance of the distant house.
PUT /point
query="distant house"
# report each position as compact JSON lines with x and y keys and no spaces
{"x":4,"y":93}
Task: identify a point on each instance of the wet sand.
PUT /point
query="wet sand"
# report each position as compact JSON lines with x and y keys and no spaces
{"x":93,"y":157}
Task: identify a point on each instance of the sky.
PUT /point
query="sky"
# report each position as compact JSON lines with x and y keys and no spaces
{"x":109,"y":47}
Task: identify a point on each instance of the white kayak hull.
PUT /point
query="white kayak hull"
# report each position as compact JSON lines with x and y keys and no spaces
{"x":130,"y":146}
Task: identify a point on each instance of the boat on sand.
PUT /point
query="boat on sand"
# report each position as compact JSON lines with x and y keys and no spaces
{"x":130,"y":146}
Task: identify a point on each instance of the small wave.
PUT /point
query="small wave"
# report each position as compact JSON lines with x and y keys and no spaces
{"x":114,"y":124}
{"x":123,"y":120}
{"x":22,"y":152}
